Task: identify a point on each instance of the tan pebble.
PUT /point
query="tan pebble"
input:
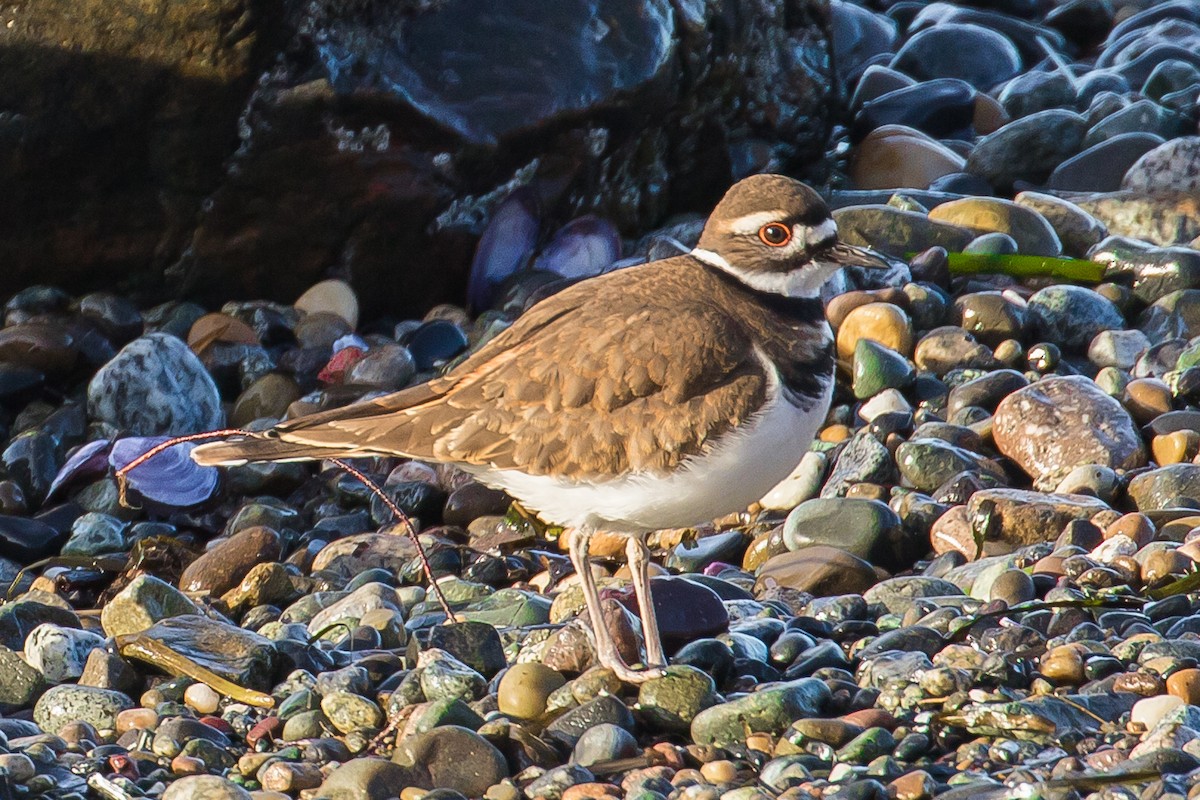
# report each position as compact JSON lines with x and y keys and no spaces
{"x":1190,"y":550}
{"x":136,"y":719}
{"x":18,"y":767}
{"x":671,"y":755}
{"x":1176,"y":447}
{"x":250,"y":763}
{"x":869,"y":491}
{"x":880,"y":322}
{"x":687,"y":777}
{"x":839,"y":307}
{"x":1185,"y":684}
{"x":719,"y":772}
{"x":213,"y":328}
{"x":1149,"y":710}
{"x":1145,"y":684}
{"x":1049,"y":565}
{"x":262,"y":794}
{"x":1063,"y":665}
{"x":330,"y":297}
{"x":916,"y":785}
{"x":502,"y":791}
{"x":202,"y":697}
{"x":1134,"y":525}
{"x":896,"y":156}
{"x":525,"y":687}
{"x":76,"y":732}
{"x":412,"y":793}
{"x":989,"y":115}
{"x":835,"y":433}
{"x":1162,"y":665}
{"x":187,"y":765}
{"x":1177,"y":530}
{"x":287,"y":777}
{"x":1147,"y":398}
{"x":760,"y":742}
{"x":1162,"y":563}
{"x":593,"y":790}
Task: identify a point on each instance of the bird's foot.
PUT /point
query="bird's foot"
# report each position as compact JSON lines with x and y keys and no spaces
{"x":628,"y":674}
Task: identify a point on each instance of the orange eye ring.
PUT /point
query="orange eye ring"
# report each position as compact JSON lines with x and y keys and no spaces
{"x":775,"y":234}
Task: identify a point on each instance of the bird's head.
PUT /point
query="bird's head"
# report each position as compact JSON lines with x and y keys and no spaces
{"x":775,"y":234}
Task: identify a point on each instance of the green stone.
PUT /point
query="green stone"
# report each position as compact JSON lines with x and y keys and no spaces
{"x":448,"y":711}
{"x":510,"y":608}
{"x":347,"y":712}
{"x":768,"y":711}
{"x":877,"y":368}
{"x":145,"y":601}
{"x":445,"y":677}
{"x":867,"y":746}
{"x":671,"y":702}
{"x":927,"y":463}
{"x":853,"y":524}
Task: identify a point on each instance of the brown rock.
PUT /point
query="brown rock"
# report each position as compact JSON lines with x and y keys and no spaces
{"x":1063,"y":665}
{"x":915,"y":785}
{"x":38,"y":345}
{"x":269,"y":396}
{"x":895,"y":156}
{"x":1145,"y":683}
{"x":820,"y":570}
{"x":1052,"y":426}
{"x":952,"y":531}
{"x":1147,"y":398}
{"x":224,"y":565}
{"x":1019,"y":517}
{"x":1136,"y":526}
{"x":1185,"y":684}
{"x":213,"y":328}
{"x":990,"y":116}
{"x":105,"y":670}
{"x":1176,"y":447}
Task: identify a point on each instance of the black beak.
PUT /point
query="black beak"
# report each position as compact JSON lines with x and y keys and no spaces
{"x":848,"y":255}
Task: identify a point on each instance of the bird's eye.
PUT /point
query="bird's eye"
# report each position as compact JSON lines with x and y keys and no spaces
{"x":775,"y":234}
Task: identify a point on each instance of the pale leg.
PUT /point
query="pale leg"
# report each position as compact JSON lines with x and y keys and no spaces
{"x":606,"y":649}
{"x":639,"y":566}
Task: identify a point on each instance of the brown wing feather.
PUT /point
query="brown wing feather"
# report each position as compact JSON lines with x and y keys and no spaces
{"x":599,"y":379}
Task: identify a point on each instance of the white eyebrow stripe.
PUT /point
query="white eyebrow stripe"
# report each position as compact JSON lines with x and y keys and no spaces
{"x":750,"y":223}
{"x":817,"y":234}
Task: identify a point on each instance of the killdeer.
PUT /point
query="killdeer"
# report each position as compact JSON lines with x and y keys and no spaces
{"x":658,"y":396}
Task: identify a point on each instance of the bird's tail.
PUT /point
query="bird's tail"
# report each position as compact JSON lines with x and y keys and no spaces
{"x":254,"y":448}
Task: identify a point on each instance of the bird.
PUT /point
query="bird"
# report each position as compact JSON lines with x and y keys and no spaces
{"x":657,"y":396}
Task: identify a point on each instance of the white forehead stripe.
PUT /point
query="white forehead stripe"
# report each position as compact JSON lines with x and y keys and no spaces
{"x":750,"y":223}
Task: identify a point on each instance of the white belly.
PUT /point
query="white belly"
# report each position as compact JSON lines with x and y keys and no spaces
{"x":737,"y":470}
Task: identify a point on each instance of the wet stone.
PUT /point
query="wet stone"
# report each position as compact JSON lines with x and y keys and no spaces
{"x":69,"y":703}
{"x":819,"y":569}
{"x":1028,"y":149}
{"x":1058,"y":424}
{"x":131,"y":391}
{"x":224,"y":565}
{"x":860,"y":527}
{"x":671,"y":702}
{"x":981,"y":57}
{"x":235,"y":654}
{"x":769,"y":710}
{"x":60,"y":653}
{"x":145,"y":601}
